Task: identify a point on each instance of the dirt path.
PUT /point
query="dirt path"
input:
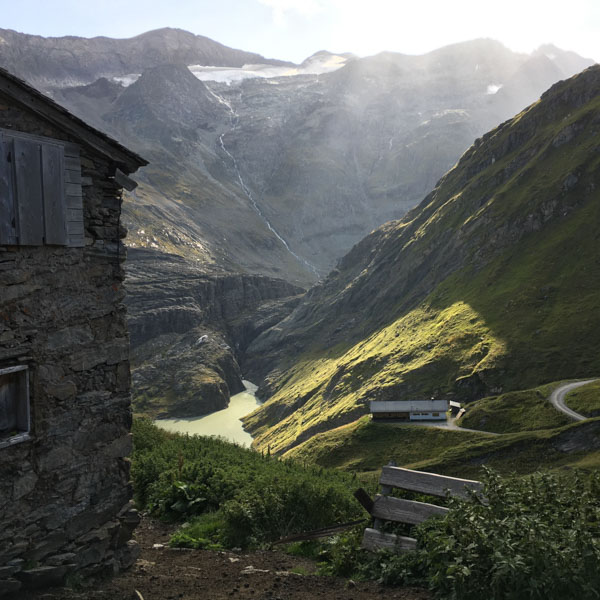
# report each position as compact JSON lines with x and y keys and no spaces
{"x":449,"y":424}
{"x":557,"y":399}
{"x":163,"y":573}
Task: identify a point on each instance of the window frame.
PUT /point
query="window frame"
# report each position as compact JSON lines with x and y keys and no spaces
{"x":23,"y":416}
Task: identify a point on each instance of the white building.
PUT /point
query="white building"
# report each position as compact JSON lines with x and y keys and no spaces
{"x":409,"y":410}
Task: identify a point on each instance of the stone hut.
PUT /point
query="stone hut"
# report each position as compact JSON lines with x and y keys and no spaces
{"x":65,"y":416}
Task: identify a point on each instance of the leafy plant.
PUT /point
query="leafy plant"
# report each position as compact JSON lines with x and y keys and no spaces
{"x":255,"y":499}
{"x":536,"y":538}
{"x":533,"y":538}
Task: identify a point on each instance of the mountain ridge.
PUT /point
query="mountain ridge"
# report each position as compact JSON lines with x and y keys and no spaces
{"x":457,"y":301}
{"x":326,"y":157}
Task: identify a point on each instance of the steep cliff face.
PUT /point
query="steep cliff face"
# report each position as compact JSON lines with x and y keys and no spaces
{"x":488,"y":285}
{"x":189,"y":329}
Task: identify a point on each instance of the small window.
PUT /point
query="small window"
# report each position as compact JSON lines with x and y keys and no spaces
{"x":437,"y":414}
{"x":14,"y":405}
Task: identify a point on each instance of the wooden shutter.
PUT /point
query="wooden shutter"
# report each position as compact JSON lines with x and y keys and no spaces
{"x":41,"y":201}
{"x":30,"y":200}
{"x":8,"y":219}
{"x":74,"y":197}
{"x":53,"y":176}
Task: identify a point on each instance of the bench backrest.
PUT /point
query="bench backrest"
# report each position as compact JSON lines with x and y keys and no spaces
{"x":388,"y":508}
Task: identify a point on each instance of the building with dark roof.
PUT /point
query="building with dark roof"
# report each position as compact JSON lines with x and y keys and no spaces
{"x":409,"y":410}
{"x":65,"y":415}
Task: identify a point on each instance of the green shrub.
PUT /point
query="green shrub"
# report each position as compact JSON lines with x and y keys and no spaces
{"x":203,"y":532}
{"x":257,"y":499}
{"x":534,"y":538}
{"x":293,"y":503}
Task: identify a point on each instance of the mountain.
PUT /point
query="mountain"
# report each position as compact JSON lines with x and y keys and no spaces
{"x":274,"y":168}
{"x":71,"y":60}
{"x":490,"y":284}
{"x":264,"y":168}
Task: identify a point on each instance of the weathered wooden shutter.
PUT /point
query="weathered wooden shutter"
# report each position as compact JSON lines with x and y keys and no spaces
{"x":8,"y":219}
{"x":30,"y":199}
{"x":41,"y":201}
{"x":74,"y":197}
{"x":53,"y":187}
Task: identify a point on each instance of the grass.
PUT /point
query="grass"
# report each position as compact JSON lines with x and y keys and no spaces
{"x":524,"y":410}
{"x":507,"y":300}
{"x":233,"y":496}
{"x":568,"y":447}
{"x":585,"y":400}
{"x":364,"y":447}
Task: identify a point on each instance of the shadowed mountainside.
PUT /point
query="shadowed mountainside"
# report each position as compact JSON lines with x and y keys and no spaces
{"x":489,"y":285}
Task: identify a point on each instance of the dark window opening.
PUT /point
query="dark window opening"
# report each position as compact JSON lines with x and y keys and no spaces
{"x":14,"y":405}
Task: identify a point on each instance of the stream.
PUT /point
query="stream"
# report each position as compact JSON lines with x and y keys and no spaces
{"x":225,"y":423}
{"x":234,"y":118}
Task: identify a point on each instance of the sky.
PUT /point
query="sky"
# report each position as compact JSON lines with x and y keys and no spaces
{"x":295,"y":29}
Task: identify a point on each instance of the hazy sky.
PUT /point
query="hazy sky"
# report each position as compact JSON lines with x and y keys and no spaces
{"x":295,"y":29}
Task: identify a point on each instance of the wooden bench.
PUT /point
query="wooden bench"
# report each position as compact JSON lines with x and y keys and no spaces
{"x":387,"y":508}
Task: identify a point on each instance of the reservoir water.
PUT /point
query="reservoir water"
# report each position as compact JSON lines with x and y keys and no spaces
{"x":225,"y":423}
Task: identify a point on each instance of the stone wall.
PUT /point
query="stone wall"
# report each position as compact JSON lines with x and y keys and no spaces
{"x":65,"y":496}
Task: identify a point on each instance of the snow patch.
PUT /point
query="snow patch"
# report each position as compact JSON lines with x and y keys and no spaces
{"x":126,"y":80}
{"x":493,"y":88}
{"x":315,"y":65}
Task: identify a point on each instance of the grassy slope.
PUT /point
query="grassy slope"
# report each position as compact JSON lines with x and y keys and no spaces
{"x":365,"y":446}
{"x":585,"y":400}
{"x":514,"y":316}
{"x":524,"y":410}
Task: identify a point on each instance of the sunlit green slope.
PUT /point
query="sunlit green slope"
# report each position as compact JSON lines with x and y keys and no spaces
{"x":491,"y":284}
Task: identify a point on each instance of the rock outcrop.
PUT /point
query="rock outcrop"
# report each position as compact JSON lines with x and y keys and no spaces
{"x":281,"y":176}
{"x":189,"y":331}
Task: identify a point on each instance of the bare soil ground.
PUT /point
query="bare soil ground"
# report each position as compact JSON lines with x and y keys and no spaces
{"x":173,"y":574}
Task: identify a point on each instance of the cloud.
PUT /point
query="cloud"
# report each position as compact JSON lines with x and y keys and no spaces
{"x":281,"y":9}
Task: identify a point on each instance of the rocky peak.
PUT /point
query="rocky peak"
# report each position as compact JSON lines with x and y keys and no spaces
{"x":70,"y":60}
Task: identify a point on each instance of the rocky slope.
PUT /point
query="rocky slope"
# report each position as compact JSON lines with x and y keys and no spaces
{"x":73,"y":60}
{"x":326,"y":158}
{"x":188,"y":330}
{"x":489,"y":285}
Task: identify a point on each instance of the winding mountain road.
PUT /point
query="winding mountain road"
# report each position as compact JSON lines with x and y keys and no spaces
{"x":557,"y":398}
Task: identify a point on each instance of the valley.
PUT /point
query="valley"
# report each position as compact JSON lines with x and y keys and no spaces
{"x":261,"y":179}
{"x":340,"y":231}
{"x":479,"y":290}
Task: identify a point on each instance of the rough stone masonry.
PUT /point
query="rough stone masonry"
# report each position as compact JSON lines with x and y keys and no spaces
{"x":65,"y":495}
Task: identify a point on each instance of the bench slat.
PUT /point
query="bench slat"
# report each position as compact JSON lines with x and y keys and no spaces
{"x":376,"y":540}
{"x":404,"y":511}
{"x":427,"y":483}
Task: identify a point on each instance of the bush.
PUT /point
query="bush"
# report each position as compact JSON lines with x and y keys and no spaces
{"x":200,"y":533}
{"x":256,"y":499}
{"x":535,"y":538}
{"x":293,"y":503}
